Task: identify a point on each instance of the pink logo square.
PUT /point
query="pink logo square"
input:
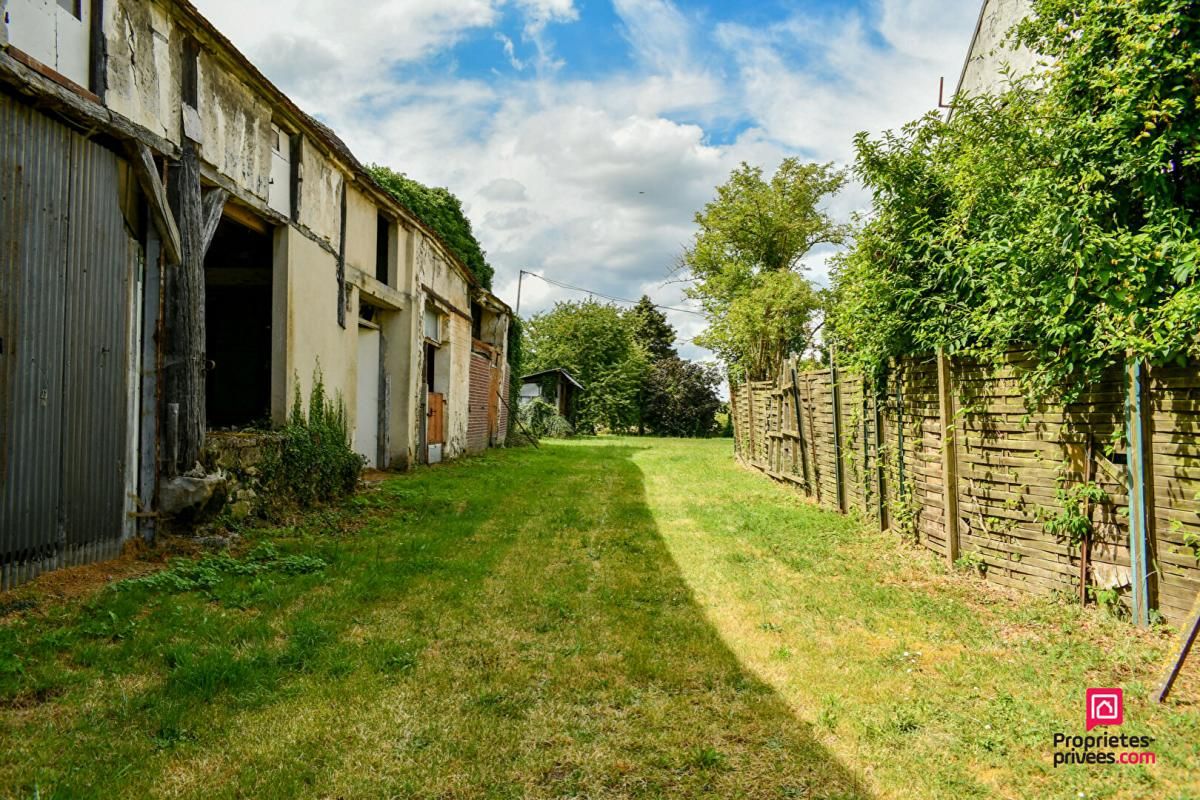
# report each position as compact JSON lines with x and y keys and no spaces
{"x":1105,"y":707}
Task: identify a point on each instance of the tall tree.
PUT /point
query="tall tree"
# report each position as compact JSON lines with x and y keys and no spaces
{"x":651,"y":329}
{"x":746,"y":262}
{"x":594,"y":342}
{"x":680,"y":398}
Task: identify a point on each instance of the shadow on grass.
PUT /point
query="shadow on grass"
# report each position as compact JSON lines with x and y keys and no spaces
{"x":521,"y":609}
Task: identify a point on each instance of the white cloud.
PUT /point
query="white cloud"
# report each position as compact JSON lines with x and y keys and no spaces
{"x":594,"y":181}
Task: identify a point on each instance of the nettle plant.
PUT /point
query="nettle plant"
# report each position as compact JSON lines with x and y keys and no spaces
{"x":1058,"y":215}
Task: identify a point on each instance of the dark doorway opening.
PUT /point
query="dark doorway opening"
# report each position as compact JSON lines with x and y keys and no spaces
{"x":238,"y":299}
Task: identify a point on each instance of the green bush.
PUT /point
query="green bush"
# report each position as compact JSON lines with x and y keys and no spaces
{"x":315,"y":463}
{"x":543,"y":420}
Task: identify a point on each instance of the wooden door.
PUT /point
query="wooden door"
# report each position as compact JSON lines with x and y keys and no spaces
{"x":437,"y":419}
{"x":494,"y":407}
{"x":366,"y":428}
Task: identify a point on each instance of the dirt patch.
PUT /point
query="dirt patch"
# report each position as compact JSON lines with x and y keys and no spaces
{"x":73,"y":583}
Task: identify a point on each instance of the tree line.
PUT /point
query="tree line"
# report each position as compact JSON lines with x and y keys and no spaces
{"x":633,"y":376}
{"x":1056,"y":214}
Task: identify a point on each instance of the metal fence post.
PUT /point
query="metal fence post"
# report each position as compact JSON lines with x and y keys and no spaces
{"x":1141,"y":495}
{"x":839,"y":478}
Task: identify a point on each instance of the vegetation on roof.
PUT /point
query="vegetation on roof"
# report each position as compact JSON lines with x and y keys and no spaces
{"x":442,"y":211}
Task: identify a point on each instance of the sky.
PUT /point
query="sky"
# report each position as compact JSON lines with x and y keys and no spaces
{"x":583,"y":135}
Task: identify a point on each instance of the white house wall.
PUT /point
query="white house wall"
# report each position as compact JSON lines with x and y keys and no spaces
{"x":991,"y":50}
{"x":237,"y":128}
{"x":143,"y":66}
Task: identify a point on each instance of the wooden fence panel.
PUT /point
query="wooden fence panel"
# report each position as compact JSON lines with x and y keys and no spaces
{"x":1011,"y":463}
{"x":1174,"y":435}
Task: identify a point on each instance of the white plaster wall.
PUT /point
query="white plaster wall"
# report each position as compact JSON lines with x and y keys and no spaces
{"x":427,"y":267}
{"x":991,"y":52}
{"x":362,"y":217}
{"x":144,"y":62}
{"x":434,"y":271}
{"x":458,"y":398}
{"x":320,"y":195}
{"x":314,"y":337}
{"x":237,"y":128}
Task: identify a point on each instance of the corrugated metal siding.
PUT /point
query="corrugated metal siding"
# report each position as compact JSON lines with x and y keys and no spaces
{"x":63,"y":310}
{"x":481,"y":380}
{"x":502,"y":422}
{"x":34,"y":165}
{"x":95,"y":435}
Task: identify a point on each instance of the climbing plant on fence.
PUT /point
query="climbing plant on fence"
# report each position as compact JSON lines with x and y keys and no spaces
{"x":1059,"y":214}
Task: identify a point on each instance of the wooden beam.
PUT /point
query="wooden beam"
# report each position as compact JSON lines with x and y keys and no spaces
{"x":245,"y":217}
{"x":156,"y":196}
{"x":1189,"y":640}
{"x":185,"y":315}
{"x":81,"y":108}
{"x":213,"y":207}
{"x":949,"y":456}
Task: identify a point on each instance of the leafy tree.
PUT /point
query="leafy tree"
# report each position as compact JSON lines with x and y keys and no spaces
{"x":1059,"y":215}
{"x":681,"y":398}
{"x":442,"y":211}
{"x":594,"y":343}
{"x":745,"y":262}
{"x":651,"y":329}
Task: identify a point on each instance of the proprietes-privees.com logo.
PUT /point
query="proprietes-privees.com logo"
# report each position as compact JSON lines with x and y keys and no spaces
{"x":1105,"y":707}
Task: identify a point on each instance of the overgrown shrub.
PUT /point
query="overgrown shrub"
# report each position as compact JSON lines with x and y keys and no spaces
{"x":315,"y":462}
{"x":543,"y":420}
{"x":1059,"y":214}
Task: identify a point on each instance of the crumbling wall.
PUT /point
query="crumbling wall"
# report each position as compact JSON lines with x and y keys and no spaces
{"x":237,"y":125}
{"x":362,"y":219}
{"x":144,"y":65}
{"x":320,"y":195}
{"x":241,"y":457}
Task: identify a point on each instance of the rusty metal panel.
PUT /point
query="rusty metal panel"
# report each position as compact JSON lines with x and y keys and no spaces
{"x":65,"y":267}
{"x":34,"y":169}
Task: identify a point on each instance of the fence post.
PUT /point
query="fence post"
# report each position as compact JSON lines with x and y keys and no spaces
{"x":839,"y":478}
{"x":881,"y":486}
{"x":750,"y":419}
{"x":900,"y":435}
{"x":949,"y":455}
{"x":800,"y":431}
{"x":1141,"y":495}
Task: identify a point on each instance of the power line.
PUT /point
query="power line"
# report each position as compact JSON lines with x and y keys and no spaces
{"x":608,"y":297}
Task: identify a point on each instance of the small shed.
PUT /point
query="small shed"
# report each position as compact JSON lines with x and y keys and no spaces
{"x":556,"y":386}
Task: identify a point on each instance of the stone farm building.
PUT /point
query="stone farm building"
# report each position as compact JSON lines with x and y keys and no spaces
{"x":181,"y":249}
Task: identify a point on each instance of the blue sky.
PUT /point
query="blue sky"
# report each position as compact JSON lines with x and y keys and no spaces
{"x":582,"y":135}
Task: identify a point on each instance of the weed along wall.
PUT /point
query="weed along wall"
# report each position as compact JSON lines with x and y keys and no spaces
{"x":1047,"y":499}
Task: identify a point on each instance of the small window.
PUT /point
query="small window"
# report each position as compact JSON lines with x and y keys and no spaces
{"x":433,"y":325}
{"x":383,"y":249}
{"x":279,"y":196}
{"x":476,"y":321}
{"x":191,"y":73}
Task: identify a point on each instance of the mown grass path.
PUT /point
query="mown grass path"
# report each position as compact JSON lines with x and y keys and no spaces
{"x":609,"y":618}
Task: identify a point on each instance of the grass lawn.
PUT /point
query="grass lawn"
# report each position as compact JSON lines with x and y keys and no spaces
{"x":607,"y":618}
